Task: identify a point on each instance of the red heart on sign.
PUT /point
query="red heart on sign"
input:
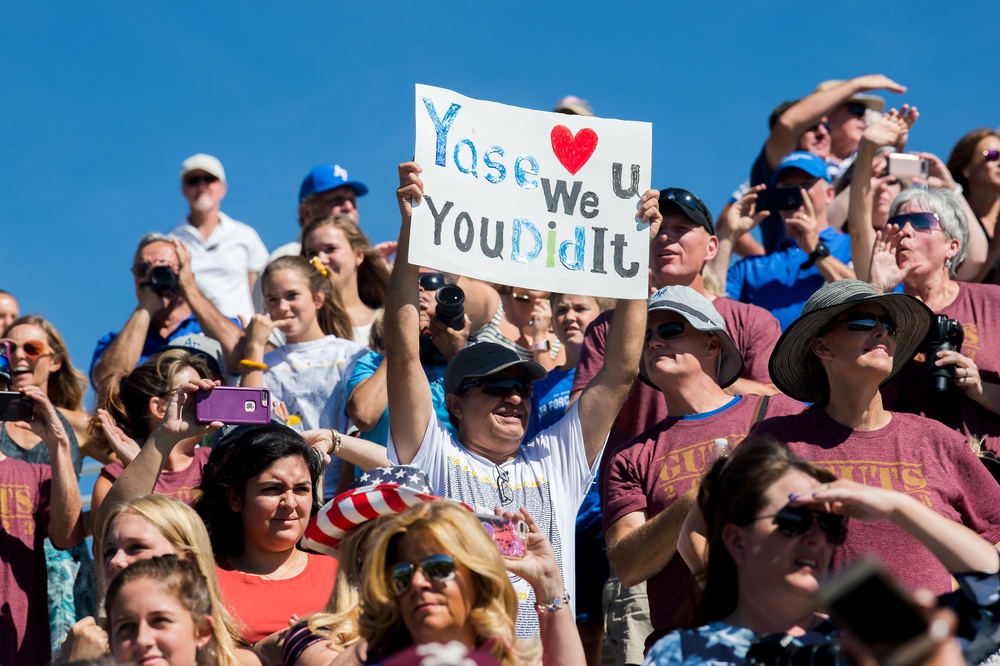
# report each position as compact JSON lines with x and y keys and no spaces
{"x":573,"y":151}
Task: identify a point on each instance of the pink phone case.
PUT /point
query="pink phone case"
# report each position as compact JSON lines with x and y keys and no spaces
{"x":233,"y":404}
{"x":508,"y":535}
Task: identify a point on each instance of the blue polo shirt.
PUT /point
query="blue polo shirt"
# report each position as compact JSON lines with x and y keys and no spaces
{"x":776,"y":283}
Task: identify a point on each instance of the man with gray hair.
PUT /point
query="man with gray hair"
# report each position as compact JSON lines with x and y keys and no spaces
{"x":169,"y":305}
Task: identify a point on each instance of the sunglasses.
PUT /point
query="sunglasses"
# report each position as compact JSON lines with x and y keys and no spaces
{"x":866,"y":321}
{"x":32,"y":348}
{"x":688,"y":200}
{"x":431,"y":281}
{"x":194,"y":181}
{"x":991,"y":155}
{"x":438,"y":568}
{"x":503,"y":486}
{"x":926,"y":222}
{"x":665,"y":331}
{"x":824,"y":124}
{"x":856,"y":109}
{"x":500,"y":386}
{"x":793,"y":521}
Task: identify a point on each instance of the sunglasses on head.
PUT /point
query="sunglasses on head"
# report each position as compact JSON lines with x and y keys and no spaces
{"x":686,"y":199}
{"x":866,"y":321}
{"x":194,"y":181}
{"x":32,"y":348}
{"x":500,"y":386}
{"x":665,"y":331}
{"x":438,"y":568}
{"x":991,"y":155}
{"x":856,"y":109}
{"x":793,"y":521}
{"x":919,"y":221}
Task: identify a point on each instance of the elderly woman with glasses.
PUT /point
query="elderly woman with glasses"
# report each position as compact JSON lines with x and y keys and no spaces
{"x":774,"y":522}
{"x":848,"y":342}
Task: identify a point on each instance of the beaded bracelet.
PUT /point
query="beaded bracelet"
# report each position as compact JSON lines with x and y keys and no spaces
{"x":557,"y":603}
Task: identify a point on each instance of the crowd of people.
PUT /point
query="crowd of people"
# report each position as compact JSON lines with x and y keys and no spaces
{"x":450,"y":471}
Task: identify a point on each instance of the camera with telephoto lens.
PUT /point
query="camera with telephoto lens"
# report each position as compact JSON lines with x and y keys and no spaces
{"x":779,"y":650}
{"x":162,"y":280}
{"x":945,"y":335}
{"x":451,"y":306}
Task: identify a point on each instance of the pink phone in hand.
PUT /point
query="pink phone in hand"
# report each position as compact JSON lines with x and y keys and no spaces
{"x":508,"y":535}
{"x":233,"y":404}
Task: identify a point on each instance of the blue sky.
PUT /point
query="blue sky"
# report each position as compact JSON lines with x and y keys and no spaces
{"x":102,"y":101}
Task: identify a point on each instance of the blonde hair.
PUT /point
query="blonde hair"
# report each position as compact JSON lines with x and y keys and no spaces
{"x":66,"y":385}
{"x":373,"y":273}
{"x":185,"y":531}
{"x":331,"y":315}
{"x":461,"y":535}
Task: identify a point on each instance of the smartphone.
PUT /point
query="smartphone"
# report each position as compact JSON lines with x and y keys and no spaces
{"x":15,"y":406}
{"x":867,"y":600}
{"x":779,"y":198}
{"x":510,"y":536}
{"x":907,"y":166}
{"x":233,"y":404}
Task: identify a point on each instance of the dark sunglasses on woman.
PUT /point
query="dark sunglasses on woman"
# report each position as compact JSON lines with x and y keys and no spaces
{"x":437,"y":568}
{"x":793,"y":521}
{"x":926,"y":222}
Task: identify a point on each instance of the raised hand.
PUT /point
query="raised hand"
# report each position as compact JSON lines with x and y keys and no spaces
{"x":179,"y":420}
{"x":411,"y":188}
{"x":539,"y":566}
{"x":884,"y":272}
{"x":45,"y":422}
{"x":743,"y":215}
{"x":124,"y":446}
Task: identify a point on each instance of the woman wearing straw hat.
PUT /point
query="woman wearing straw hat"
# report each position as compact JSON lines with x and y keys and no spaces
{"x":849,"y":341}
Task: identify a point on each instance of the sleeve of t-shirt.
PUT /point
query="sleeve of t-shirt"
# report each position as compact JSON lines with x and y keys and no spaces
{"x":592,"y":354}
{"x":563,"y":446}
{"x":623,"y":490}
{"x":432,"y":456}
{"x":734,"y":280}
{"x":364,"y":367}
{"x":764,"y":331}
{"x":760,"y":172}
{"x":102,"y":344}
{"x":257,"y":253}
{"x":979,"y":495}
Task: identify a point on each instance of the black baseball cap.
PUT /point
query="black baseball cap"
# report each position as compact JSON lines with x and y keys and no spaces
{"x":690,"y":205}
{"x":484,"y":359}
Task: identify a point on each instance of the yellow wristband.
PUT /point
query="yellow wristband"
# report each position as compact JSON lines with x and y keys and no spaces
{"x":252,"y":365}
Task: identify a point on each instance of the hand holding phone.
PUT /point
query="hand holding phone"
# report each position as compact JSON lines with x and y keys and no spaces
{"x":15,"y":406}
{"x":509,"y":535}
{"x":907,"y":166}
{"x":774,"y":199}
{"x":233,"y":404}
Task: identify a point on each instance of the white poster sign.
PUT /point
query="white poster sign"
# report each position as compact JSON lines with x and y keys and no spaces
{"x":531,"y":199}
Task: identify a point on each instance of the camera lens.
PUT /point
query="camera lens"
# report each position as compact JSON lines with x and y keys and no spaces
{"x":451,"y":306}
{"x":162,"y":280}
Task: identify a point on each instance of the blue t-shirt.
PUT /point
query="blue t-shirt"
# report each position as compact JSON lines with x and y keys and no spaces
{"x":153,"y":343}
{"x":366,"y":367}
{"x":776,"y":283}
{"x":720,"y":644}
{"x":548,"y":404}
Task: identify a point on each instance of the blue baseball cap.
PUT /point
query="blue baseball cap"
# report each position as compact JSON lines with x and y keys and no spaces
{"x":803,"y":161}
{"x":326,"y":177}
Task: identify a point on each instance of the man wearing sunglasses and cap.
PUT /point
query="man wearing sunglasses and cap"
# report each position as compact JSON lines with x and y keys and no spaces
{"x":488,"y":390}
{"x":813,"y":254}
{"x":650,"y":481}
{"x":226,"y":255}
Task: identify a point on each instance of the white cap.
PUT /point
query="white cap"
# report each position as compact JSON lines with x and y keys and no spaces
{"x":203,"y":162}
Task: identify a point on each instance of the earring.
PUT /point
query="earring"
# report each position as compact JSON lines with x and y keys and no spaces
{"x":947,"y":262}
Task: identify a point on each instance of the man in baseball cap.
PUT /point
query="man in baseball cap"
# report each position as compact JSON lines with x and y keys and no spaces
{"x":329,"y":190}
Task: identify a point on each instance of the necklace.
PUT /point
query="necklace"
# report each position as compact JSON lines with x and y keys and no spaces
{"x":279,"y":574}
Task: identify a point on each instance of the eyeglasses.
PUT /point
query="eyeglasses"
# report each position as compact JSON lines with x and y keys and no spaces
{"x":793,"y":521}
{"x":926,"y":222}
{"x":32,"y":348}
{"x":866,"y":321}
{"x":194,"y":181}
{"x":503,"y":486}
{"x":438,"y":568}
{"x":500,"y":386}
{"x":856,"y":109}
{"x":665,"y":331}
{"x":824,"y":124}
{"x":991,"y":155}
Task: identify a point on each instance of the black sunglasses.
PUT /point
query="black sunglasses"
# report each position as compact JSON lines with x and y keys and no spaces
{"x":500,"y":386}
{"x":431,"y":281}
{"x":665,"y":331}
{"x":688,"y":200}
{"x":856,"y":109}
{"x":991,"y":155}
{"x":919,"y":221}
{"x":793,"y":521}
{"x":193,"y":181}
{"x":823,"y":123}
{"x":503,"y":486}
{"x":438,"y":568}
{"x":866,"y":321}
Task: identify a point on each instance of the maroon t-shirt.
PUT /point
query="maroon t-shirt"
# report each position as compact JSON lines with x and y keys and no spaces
{"x":650,"y":472}
{"x":977,"y":307}
{"x":753,"y":329}
{"x":25,"y":492}
{"x":913,"y":455}
{"x":182,"y":485}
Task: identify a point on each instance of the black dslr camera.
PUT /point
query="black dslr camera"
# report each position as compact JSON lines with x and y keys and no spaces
{"x":945,"y":335}
{"x":162,"y":280}
{"x":450,"y":309}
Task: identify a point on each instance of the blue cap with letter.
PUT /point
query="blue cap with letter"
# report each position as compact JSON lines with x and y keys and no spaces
{"x":327,"y":177}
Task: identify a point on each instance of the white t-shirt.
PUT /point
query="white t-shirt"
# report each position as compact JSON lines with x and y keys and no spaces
{"x":549,"y":476}
{"x":311,"y":379}
{"x":222,"y":261}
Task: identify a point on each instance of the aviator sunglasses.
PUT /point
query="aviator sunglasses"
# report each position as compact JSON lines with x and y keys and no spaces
{"x":866,"y":321}
{"x":793,"y":521}
{"x":437,"y":568}
{"x":32,"y":348}
{"x":926,"y":222}
{"x":500,"y":386}
{"x":665,"y":331}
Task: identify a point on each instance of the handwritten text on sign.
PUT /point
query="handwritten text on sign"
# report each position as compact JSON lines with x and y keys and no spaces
{"x":531,"y":199}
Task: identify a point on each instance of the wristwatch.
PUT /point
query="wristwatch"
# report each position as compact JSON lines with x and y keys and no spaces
{"x":821,"y":252}
{"x":540,"y":345}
